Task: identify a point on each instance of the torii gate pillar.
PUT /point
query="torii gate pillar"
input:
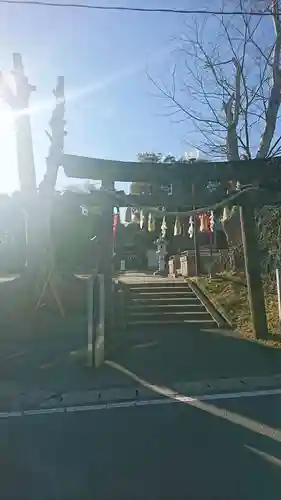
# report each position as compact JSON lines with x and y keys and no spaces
{"x":105,"y":266}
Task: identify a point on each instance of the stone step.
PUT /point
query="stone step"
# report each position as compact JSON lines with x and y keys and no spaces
{"x":156,"y":296}
{"x":161,"y":284}
{"x":160,"y":289}
{"x":207,"y":323}
{"x":176,"y":291}
{"x":190,"y":300}
{"x":169,"y":316}
{"x":197,"y":307}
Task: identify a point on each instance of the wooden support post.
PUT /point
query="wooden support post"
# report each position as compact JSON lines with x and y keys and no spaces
{"x":105,"y":261}
{"x":96,"y":323}
{"x":278,"y":286}
{"x":253,"y":270}
{"x":91,"y":324}
{"x":195,"y":240}
{"x":99,"y":347}
{"x":196,"y":247}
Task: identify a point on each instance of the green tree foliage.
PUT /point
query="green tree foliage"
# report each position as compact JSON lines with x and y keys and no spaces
{"x":140,"y":188}
{"x":151,"y":157}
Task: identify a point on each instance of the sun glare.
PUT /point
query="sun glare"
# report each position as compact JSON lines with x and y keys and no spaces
{"x":8,"y":162}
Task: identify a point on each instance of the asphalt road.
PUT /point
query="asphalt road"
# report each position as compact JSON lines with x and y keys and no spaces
{"x":221,"y":450}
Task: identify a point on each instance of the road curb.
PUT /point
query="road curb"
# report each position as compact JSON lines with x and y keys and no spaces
{"x":233,"y":384}
{"x":30,"y":401}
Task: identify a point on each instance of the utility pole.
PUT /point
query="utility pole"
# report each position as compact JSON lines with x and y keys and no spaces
{"x":20,"y":104}
{"x":253,"y":269}
{"x":56,"y":137}
{"x":18,"y":100}
{"x":47,"y":272}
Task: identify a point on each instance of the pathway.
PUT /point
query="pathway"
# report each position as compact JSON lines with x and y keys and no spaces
{"x":44,"y":361}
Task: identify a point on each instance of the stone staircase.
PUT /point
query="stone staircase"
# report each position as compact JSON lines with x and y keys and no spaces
{"x":169,"y":302}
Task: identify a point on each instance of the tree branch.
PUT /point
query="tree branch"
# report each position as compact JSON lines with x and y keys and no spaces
{"x":275,"y":94}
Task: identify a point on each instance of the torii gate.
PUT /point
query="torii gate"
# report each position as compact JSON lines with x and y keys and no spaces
{"x":261,"y":174}
{"x":264,"y":173}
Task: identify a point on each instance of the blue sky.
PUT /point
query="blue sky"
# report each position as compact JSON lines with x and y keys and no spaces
{"x":111,"y":108}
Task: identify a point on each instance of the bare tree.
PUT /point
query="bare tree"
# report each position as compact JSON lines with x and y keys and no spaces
{"x":226,"y":83}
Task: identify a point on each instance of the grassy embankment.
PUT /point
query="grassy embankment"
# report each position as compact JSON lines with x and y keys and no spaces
{"x":229,"y":292}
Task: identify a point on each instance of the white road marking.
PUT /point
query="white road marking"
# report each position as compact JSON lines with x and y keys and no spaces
{"x":229,"y":395}
{"x":266,"y":456}
{"x":15,"y":354}
{"x":140,"y":403}
{"x":47,"y":411}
